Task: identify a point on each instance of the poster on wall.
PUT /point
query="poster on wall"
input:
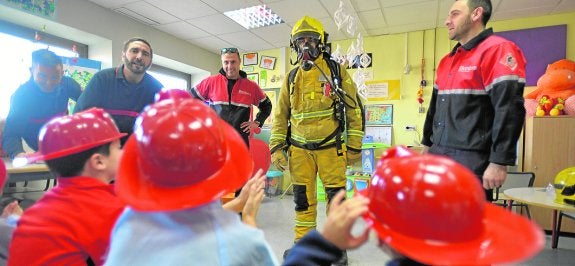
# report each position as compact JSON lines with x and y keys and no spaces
{"x":81,"y":70}
{"x":380,"y":134}
{"x":44,"y":8}
{"x":379,"y":114}
{"x":541,"y":46}
{"x":272,"y":94}
{"x":381,"y":90}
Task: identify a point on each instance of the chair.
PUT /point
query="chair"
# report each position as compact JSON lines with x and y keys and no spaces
{"x":570,"y":215}
{"x":514,"y":180}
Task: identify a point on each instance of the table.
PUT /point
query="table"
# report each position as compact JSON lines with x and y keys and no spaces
{"x":537,"y":196}
{"x":30,"y":172}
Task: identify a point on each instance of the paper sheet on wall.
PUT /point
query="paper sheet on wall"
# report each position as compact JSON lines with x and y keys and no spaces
{"x":380,"y":90}
{"x":381,"y":134}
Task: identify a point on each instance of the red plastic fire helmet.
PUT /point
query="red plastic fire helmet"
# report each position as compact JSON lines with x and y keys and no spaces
{"x":433,"y":210}
{"x":181,"y":155}
{"x":164,"y":94}
{"x":70,"y":134}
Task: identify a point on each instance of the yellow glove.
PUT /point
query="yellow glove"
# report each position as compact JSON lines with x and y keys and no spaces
{"x":352,"y":157}
{"x":279,"y":160}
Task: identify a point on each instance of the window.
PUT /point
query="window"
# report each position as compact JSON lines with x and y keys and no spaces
{"x":18,"y":43}
{"x":16,"y":54}
{"x":170,"y":78}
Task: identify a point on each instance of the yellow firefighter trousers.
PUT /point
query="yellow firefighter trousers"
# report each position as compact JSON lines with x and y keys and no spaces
{"x":305,"y":166}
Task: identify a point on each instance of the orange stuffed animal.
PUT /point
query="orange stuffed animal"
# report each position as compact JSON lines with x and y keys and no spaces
{"x":555,"y":93}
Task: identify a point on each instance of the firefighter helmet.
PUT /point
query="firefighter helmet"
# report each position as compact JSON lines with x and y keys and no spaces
{"x":565,"y":186}
{"x":433,"y":210}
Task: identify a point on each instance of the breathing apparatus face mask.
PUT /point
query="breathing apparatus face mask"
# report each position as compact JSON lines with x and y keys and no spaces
{"x":308,"y":50}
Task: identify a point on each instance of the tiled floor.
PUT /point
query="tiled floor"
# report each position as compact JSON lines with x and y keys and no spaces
{"x":276,"y":220}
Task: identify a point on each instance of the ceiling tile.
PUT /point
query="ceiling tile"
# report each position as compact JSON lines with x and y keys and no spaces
{"x":365,"y":5}
{"x":277,"y":33}
{"x":246,"y":41}
{"x":217,"y":24}
{"x":113,"y":3}
{"x":372,"y":19}
{"x":523,"y":4}
{"x":151,"y":12}
{"x":211,"y":43}
{"x":292,"y":10}
{"x":509,"y":14}
{"x":378,"y":31}
{"x":183,"y":30}
{"x":228,"y":5}
{"x":184,"y":9}
{"x":392,"y":3}
{"x":127,"y":12}
{"x":565,"y":6}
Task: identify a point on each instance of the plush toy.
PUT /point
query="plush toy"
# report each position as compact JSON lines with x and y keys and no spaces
{"x":555,"y":93}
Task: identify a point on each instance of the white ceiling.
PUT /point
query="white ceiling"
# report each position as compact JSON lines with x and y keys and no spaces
{"x":203,"y":23}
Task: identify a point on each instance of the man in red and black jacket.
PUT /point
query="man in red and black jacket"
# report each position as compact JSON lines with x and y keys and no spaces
{"x":476,"y":111}
{"x":231,"y":95}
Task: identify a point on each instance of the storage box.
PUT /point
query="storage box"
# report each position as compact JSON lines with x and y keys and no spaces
{"x":370,"y":154}
{"x":273,"y":183}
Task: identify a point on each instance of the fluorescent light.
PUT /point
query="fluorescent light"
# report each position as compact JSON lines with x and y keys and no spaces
{"x":254,"y":17}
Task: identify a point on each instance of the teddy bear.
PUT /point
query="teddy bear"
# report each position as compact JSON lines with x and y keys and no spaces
{"x":555,"y":92}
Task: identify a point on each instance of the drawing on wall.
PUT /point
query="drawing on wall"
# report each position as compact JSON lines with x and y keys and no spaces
{"x":46,"y":8}
{"x":380,"y":134}
{"x":250,"y":59}
{"x":268,"y":62}
{"x":272,"y":94}
{"x":379,"y":114}
{"x":254,"y":77}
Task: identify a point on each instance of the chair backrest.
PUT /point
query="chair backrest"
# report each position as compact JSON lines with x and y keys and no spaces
{"x":518,"y":179}
{"x":515,"y":180}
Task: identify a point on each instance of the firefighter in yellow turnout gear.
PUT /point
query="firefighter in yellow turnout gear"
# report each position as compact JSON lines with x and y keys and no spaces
{"x":316,"y":110}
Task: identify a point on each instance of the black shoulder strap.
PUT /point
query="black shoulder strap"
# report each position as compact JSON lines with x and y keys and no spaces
{"x":291,"y":78}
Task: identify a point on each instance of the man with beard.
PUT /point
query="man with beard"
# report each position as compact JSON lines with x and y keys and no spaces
{"x":476,"y":111}
{"x":125,"y":90}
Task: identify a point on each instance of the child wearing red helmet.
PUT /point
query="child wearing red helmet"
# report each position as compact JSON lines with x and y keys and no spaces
{"x":178,"y":163}
{"x":71,"y":223}
{"x":431,"y":210}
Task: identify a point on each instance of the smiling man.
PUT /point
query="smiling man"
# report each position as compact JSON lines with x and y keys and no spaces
{"x":125,"y":90}
{"x":476,"y":111}
{"x":231,"y":95}
{"x":44,"y":96}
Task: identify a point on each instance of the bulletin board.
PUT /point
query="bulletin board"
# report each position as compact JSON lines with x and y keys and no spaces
{"x":380,"y":134}
{"x":541,"y":46}
{"x":272,"y":94}
{"x":379,"y":114}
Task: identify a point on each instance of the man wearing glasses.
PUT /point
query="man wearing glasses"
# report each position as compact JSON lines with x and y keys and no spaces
{"x":231,"y":95}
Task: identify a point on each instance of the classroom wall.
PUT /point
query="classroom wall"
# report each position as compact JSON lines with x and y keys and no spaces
{"x":389,"y":53}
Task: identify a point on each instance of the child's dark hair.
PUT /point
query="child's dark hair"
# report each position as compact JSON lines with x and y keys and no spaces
{"x":73,"y":165}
